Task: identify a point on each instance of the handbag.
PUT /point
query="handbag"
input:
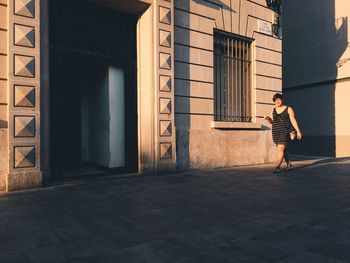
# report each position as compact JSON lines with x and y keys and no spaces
{"x":292,"y":135}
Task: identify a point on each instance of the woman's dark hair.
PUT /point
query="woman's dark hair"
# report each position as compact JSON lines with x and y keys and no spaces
{"x":277,"y":96}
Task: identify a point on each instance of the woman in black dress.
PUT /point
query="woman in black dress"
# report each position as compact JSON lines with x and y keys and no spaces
{"x":282,"y":120}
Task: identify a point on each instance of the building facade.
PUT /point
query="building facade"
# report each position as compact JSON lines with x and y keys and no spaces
{"x":139,"y":86}
{"x":316,"y":73}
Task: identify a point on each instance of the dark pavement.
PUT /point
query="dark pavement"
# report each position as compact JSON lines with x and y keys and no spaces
{"x":244,"y":214}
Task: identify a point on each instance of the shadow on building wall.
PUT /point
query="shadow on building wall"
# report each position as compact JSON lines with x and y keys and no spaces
{"x":183,"y":111}
{"x":3,"y":124}
{"x":182,"y":105}
{"x":312,"y":47}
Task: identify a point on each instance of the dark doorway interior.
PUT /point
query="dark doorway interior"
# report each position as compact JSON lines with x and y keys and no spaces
{"x":93,"y":94}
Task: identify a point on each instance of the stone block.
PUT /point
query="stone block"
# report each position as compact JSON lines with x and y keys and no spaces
{"x":164,"y":15}
{"x":164,"y":83}
{"x":272,"y":84}
{"x":25,"y":8}
{"x":24,"y":126}
{"x":3,"y":117}
{"x":267,"y":69}
{"x":164,"y":61}
{"x":194,"y":105}
{"x":165,"y":105}
{"x":3,"y":67}
{"x":193,"y":38}
{"x":25,"y":180}
{"x":24,"y":96}
{"x":24,"y":36}
{"x":263,"y":109}
{"x":264,"y":96}
{"x":24,"y":66}
{"x":268,"y":42}
{"x":216,"y":14}
{"x":3,"y":17}
{"x":218,"y":148}
{"x":342,"y":146}
{"x":3,"y":92}
{"x":193,"y":72}
{"x":193,"y":21}
{"x":4,"y":157}
{"x":269,"y":56}
{"x":193,"y":88}
{"x":24,"y":156}
{"x":194,"y":55}
{"x":165,"y":128}
{"x":165,"y":151}
{"x":193,"y":121}
{"x":164,"y":38}
{"x":3,"y":42}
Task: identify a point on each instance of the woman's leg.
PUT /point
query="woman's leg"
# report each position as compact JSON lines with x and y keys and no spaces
{"x":287,"y":159}
{"x":286,"y":156}
{"x":280,"y":154}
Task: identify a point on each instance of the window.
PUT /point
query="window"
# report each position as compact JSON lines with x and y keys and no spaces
{"x":232,"y":78}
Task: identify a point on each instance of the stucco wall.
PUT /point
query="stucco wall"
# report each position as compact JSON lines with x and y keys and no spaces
{"x":316,"y":73}
{"x":198,"y":145}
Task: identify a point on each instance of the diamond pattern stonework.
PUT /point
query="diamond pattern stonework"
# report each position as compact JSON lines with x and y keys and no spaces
{"x":165,"y":128}
{"x":165,"y":105}
{"x":24,"y":156}
{"x":25,"y":8}
{"x":24,"y":36}
{"x":164,"y":15}
{"x":24,"y":96}
{"x":164,"y":83}
{"x":24,"y":66}
{"x":165,"y":151}
{"x":164,"y":61}
{"x":164,"y":38}
{"x":24,"y":126}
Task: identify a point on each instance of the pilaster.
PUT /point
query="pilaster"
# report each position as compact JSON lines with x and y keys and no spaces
{"x":164,"y":85}
{"x":24,"y":94}
{"x":3,"y":93}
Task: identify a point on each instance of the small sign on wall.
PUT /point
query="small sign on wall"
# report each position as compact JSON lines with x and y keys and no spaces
{"x":264,"y":27}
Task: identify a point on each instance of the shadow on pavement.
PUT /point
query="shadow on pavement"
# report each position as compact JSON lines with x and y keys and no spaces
{"x":318,"y":161}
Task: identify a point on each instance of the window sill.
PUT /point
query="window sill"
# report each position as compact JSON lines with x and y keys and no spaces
{"x":235,"y":125}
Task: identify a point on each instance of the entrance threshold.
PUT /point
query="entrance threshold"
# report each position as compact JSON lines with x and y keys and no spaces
{"x":74,"y":179}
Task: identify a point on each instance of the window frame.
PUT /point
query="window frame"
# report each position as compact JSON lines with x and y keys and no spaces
{"x":219,"y":108}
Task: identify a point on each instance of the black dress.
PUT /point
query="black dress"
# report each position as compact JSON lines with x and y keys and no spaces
{"x":281,"y":126}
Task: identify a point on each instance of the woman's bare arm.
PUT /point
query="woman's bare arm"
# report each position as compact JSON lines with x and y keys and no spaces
{"x":268,"y":119}
{"x":294,"y":122}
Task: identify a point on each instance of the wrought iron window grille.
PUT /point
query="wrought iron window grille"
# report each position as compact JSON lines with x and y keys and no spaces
{"x":232,"y":77}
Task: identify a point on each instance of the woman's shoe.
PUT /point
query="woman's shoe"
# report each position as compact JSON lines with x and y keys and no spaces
{"x":288,"y":168}
{"x":277,"y":170}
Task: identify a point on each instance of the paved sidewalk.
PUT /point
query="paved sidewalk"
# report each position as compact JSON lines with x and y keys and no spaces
{"x":244,"y":214}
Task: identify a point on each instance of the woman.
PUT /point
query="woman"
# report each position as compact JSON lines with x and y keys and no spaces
{"x":282,"y":120}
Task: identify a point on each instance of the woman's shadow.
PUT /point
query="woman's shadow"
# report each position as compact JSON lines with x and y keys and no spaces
{"x":318,"y":161}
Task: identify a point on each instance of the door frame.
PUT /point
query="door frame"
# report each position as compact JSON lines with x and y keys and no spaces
{"x":156,"y":134}
{"x":45,"y":135}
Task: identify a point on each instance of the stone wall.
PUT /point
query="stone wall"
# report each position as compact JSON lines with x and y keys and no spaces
{"x":3,"y":93}
{"x":317,"y":74}
{"x":23,"y":97}
{"x":200,"y":145}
